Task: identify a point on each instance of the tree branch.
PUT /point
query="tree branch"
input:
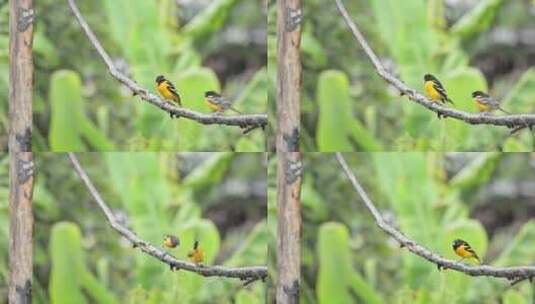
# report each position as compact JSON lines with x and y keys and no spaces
{"x":513,"y":121}
{"x":513,"y":274}
{"x":243,"y":273}
{"x":243,"y":121}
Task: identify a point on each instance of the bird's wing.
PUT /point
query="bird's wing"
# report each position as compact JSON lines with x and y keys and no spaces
{"x":171,"y":88}
{"x":440,"y":89}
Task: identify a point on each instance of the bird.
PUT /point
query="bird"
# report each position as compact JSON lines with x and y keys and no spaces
{"x":464,"y":250}
{"x":435,"y":90}
{"x":171,"y":241}
{"x":218,"y":103}
{"x":196,"y":256}
{"x":167,"y":90}
{"x":485,"y":103}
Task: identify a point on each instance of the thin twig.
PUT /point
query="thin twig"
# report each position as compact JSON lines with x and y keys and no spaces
{"x":242,"y":121}
{"x":514,"y":274}
{"x":243,"y":273}
{"x":511,"y":121}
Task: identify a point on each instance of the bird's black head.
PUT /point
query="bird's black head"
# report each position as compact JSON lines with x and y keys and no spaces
{"x":172,"y":240}
{"x":159,"y":79}
{"x":478,"y":94}
{"x":457,"y":243}
{"x":429,"y":77}
{"x":210,"y":94}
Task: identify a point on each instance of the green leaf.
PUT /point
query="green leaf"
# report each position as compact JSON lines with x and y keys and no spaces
{"x":460,"y":84}
{"x":246,"y":297}
{"x":520,"y":250}
{"x":334,"y":107}
{"x":336,"y":278}
{"x":314,"y":54}
{"x":210,"y":172}
{"x":478,"y":19}
{"x":400,"y":176}
{"x":478,"y":172}
{"x":336,"y":125}
{"x":42,"y":46}
{"x":210,"y":20}
{"x":188,"y":134}
{"x":521,"y":99}
{"x":512,"y":296}
{"x":314,"y":206}
{"x":513,"y":144}
{"x":66,"y":105}
{"x":67,"y":258}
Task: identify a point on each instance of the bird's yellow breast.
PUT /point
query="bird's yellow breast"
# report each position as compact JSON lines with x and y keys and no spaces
{"x":431,"y":91}
{"x":213,"y":106}
{"x":481,"y":106}
{"x":461,"y":251}
{"x":196,"y":256}
{"x":165,"y":92}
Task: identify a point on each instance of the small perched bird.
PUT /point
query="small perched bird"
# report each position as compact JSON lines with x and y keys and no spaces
{"x":434,"y":89}
{"x":218,"y":103}
{"x":167,"y":90}
{"x":464,"y":250}
{"x":485,"y":103}
{"x":196,"y":256}
{"x":170,"y":241}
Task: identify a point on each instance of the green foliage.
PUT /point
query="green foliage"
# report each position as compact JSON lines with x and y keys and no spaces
{"x":154,"y":194}
{"x":412,"y":38}
{"x":336,"y":127}
{"x":69,"y":127}
{"x":4,"y":224}
{"x":210,"y":20}
{"x":145,"y":40}
{"x":67,"y":259}
{"x":478,"y":172}
{"x":433,"y":198}
{"x":477,"y":20}
{"x":336,"y":280}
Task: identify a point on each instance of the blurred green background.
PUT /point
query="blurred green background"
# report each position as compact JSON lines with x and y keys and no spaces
{"x":4,"y":73}
{"x":199,"y":45}
{"x":487,"y":199}
{"x":4,"y":225}
{"x":220,"y":198}
{"x":469,"y":45}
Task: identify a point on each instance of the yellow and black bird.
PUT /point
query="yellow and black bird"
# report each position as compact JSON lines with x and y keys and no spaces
{"x":167,"y":90}
{"x":464,"y":250}
{"x":196,"y":256}
{"x":218,"y":103}
{"x":434,"y":89}
{"x":171,"y":241}
{"x":485,"y":103}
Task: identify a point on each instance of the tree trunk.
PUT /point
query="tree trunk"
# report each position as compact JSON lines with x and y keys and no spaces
{"x":289,"y":169}
{"x":289,"y":19}
{"x":21,"y":158}
{"x":21,"y":224}
{"x":289,"y":175}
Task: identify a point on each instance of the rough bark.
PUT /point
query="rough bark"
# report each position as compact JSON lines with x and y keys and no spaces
{"x":289,"y":176}
{"x":21,"y":69}
{"x":21,"y":224}
{"x":21,"y":159}
{"x":289,"y":19}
